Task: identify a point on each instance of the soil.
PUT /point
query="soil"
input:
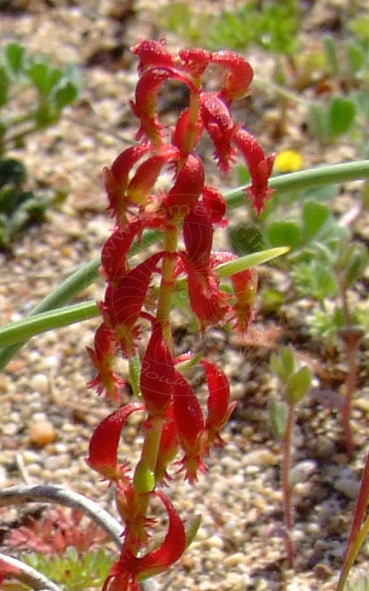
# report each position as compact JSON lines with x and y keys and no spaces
{"x":240,"y":544}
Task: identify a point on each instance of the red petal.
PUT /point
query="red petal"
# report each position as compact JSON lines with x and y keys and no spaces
{"x":157,"y":374}
{"x":198,"y":237}
{"x":102,"y":357}
{"x":239,"y":75}
{"x":219,"y":406}
{"x":188,"y":185}
{"x":124,"y":302}
{"x":103,"y":448}
{"x":219,"y":124}
{"x":153,"y":54}
{"x":190,"y":426}
{"x":259,"y":165}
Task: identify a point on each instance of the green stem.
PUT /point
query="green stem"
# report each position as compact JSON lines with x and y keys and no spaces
{"x":308,"y":179}
{"x":64,"y":293}
{"x":88,"y":273}
{"x":22,"y":330}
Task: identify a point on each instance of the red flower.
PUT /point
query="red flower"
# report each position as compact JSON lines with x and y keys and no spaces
{"x":215,"y":205}
{"x":259,"y":165}
{"x":146,"y":176}
{"x":116,"y":179}
{"x":190,"y":427}
{"x":188,"y":185}
{"x":157,"y":374}
{"x":218,"y":122}
{"x":103,"y":448}
{"x":219,"y":405}
{"x":153,"y":54}
{"x":239,"y":75}
{"x":195,"y":60}
{"x":125,"y":573}
{"x":145,"y":106}
{"x":123,"y":303}
{"x":102,"y":356}
{"x":115,"y":250}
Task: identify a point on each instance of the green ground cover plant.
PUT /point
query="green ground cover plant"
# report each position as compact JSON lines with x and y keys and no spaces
{"x":49,"y":91}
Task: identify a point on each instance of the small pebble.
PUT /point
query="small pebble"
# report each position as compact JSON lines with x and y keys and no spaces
{"x":41,"y":433}
{"x":348,"y":487}
{"x":40,"y":383}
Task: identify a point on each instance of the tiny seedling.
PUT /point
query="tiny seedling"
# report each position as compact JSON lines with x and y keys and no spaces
{"x":296,"y":380}
{"x":50,"y":91}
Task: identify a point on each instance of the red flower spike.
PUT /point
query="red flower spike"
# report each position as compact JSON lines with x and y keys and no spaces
{"x":145,"y":107}
{"x":198,"y":237}
{"x":123,"y":303}
{"x":146,"y":176}
{"x":115,"y":250}
{"x":125,"y":573}
{"x":195,"y":60}
{"x":168,"y":448}
{"x":215,"y":205}
{"x":116,"y":177}
{"x":157,"y":374}
{"x":244,"y":287}
{"x":153,"y":54}
{"x":184,"y":128}
{"x":103,"y":448}
{"x":218,"y":122}
{"x":238,"y":77}
{"x":102,"y":356}
{"x":190,"y":426}
{"x":188,"y":185}
{"x":219,"y":405}
{"x":260,"y":167}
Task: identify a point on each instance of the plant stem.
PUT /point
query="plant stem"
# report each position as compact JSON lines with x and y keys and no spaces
{"x":286,"y":482}
{"x":21,"y":330}
{"x":308,"y":179}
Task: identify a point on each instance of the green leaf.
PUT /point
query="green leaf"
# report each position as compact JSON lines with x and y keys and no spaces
{"x":44,"y":77}
{"x":314,"y":216}
{"x":284,"y":364}
{"x":278,"y":413}
{"x":249,"y":261}
{"x":330,"y":51}
{"x":316,"y":279}
{"x":14,"y":55}
{"x":285,"y":233}
{"x":356,"y":262}
{"x":355,"y":57}
{"x":341,"y":115}
{"x":4,"y":86}
{"x":318,"y":123}
{"x":65,"y":95}
{"x":246,"y":238}
{"x":299,"y":384}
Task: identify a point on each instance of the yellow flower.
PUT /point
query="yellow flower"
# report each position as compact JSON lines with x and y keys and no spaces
{"x":288,"y":161}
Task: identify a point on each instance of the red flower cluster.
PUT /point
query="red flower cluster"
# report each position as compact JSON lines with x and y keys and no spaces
{"x":187,"y":214}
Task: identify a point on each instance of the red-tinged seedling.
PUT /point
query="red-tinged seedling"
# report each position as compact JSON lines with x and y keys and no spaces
{"x":134,"y":305}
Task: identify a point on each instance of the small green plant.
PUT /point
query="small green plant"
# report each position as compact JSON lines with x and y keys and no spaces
{"x":48,"y":91}
{"x":296,"y":380}
{"x":271,"y":25}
